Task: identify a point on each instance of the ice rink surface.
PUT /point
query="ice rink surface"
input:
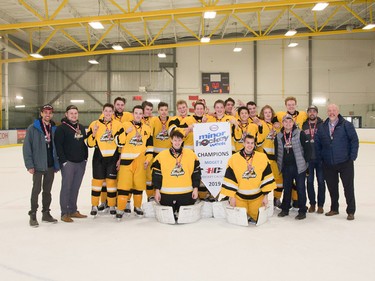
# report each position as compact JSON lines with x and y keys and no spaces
{"x":317,"y":248}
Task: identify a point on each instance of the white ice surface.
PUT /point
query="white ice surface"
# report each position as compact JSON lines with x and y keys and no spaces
{"x":317,"y":248}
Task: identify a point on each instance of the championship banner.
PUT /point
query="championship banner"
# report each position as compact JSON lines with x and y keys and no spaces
{"x":213,"y":146}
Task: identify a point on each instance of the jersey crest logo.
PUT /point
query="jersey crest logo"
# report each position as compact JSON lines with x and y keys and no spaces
{"x":136,"y":141}
{"x":107,"y":137}
{"x":177,"y":171}
{"x":249,"y":174}
{"x":163,"y":135}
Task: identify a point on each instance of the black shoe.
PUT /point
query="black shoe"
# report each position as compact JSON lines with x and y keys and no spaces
{"x":283,"y":214}
{"x":46,"y":217}
{"x":300,"y":216}
{"x":33,"y":222}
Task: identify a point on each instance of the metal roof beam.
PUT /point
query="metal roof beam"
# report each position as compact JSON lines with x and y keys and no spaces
{"x":188,"y":44}
{"x":152,"y":14}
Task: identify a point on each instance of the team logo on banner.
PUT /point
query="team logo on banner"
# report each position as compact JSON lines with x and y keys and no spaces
{"x":212,"y":144}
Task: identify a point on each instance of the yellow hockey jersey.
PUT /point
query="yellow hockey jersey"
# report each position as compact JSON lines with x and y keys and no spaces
{"x":268,"y":146}
{"x":225,"y":118}
{"x":299,"y":117}
{"x":136,"y":142}
{"x":176,"y":175}
{"x":241,"y":131}
{"x":106,"y":134}
{"x":160,"y":134}
{"x":248,"y":183}
{"x":123,"y":117}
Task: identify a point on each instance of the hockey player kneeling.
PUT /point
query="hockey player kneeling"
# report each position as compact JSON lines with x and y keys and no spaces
{"x":248,"y":180}
{"x":176,"y":176}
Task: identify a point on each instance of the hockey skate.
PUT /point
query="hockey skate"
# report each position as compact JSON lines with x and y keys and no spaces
{"x":112,"y":210}
{"x":119,"y":215}
{"x":94,"y":211}
{"x":103,"y":207}
{"x":138,"y":212}
{"x":128,"y":208}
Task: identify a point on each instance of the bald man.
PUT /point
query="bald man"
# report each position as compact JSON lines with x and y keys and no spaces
{"x":337,"y":145}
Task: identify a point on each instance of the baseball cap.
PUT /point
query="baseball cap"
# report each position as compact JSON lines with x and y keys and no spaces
{"x":46,"y":107}
{"x":72,"y":106}
{"x":312,"y":107}
{"x":287,"y":116}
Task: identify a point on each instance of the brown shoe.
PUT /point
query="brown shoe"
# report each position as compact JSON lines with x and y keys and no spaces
{"x":332,"y":213}
{"x":312,"y":209}
{"x":350,"y":217}
{"x":320,"y":210}
{"x":66,"y":218}
{"x":78,"y":215}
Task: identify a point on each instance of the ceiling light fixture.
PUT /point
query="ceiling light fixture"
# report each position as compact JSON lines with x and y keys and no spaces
{"x":205,"y":39}
{"x":236,"y":49}
{"x":96,"y":25}
{"x":369,"y":26}
{"x":209,"y":15}
{"x":292,"y":44}
{"x":162,"y":55}
{"x":320,"y":6}
{"x":291,"y":32}
{"x":77,"y":101}
{"x":20,"y":106}
{"x":93,"y":61}
{"x":36,"y":55}
{"x":153,"y":100}
{"x":19,"y":97}
{"x":117,"y":47}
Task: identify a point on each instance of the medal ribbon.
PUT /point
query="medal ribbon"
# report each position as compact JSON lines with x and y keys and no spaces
{"x":46,"y":130}
{"x":77,"y":130}
{"x":177,"y":156}
{"x":249,"y":160}
{"x":312,"y":130}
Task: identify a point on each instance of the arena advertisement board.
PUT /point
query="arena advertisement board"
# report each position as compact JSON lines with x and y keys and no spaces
{"x":21,"y":134}
{"x":212,"y":144}
{"x":4,"y":137}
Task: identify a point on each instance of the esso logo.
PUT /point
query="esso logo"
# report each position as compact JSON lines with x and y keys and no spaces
{"x":214,"y":128}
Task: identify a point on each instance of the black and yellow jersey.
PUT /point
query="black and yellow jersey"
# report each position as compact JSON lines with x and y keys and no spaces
{"x":248,"y":181}
{"x":138,"y":141}
{"x":268,"y":146}
{"x":299,"y":117}
{"x":105,"y":136}
{"x":186,"y":122}
{"x":160,"y":133}
{"x":121,"y":117}
{"x":176,"y":173}
{"x":239,"y":132}
{"x":225,"y":118}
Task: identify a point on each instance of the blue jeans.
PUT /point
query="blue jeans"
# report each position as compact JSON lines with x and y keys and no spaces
{"x":316,"y":166}
{"x":290,"y":173}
